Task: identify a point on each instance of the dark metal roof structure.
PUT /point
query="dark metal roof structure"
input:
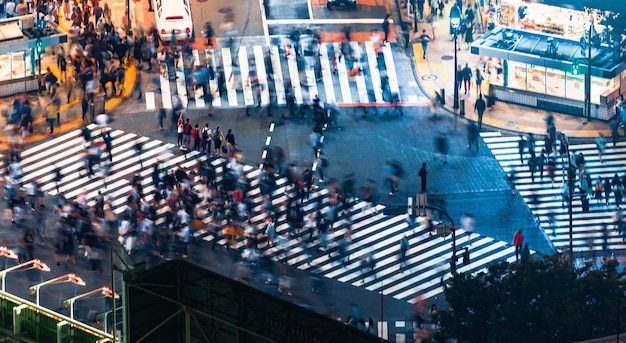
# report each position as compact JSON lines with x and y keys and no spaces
{"x":179,"y":301}
{"x":532,"y":48}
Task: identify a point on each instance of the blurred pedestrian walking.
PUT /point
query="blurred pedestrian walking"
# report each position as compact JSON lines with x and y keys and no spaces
{"x":391,"y":176}
{"x":521,"y":147}
{"x":518,"y":240}
{"x":423,"y":174}
{"x":479,"y":106}
{"x":472,"y":136}
{"x":139,"y":151}
{"x":404,"y":247}
{"x":441,"y":144}
{"x":601,"y":145}
{"x":385,"y":26}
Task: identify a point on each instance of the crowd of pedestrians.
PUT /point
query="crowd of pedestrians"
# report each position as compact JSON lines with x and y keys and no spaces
{"x":577,"y":183}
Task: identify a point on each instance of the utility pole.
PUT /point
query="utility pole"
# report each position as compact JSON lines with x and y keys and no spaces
{"x":588,"y":76}
{"x":414,"y":10}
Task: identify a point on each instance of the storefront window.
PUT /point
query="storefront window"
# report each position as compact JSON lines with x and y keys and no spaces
{"x":545,"y":18}
{"x":600,"y":87}
{"x":555,"y":82}
{"x":517,"y":75}
{"x":15,"y":65}
{"x":21,"y":64}
{"x":575,"y":87}
{"x":536,"y":79}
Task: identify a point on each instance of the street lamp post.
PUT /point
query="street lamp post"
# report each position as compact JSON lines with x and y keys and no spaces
{"x":34,"y":264}
{"x":588,"y":76}
{"x":69,"y":277}
{"x":414,"y":8}
{"x":570,"y":196}
{"x":455,"y":22}
{"x":105,"y":291}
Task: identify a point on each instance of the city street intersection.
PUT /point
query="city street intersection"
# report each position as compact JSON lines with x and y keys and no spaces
{"x":367,"y":135}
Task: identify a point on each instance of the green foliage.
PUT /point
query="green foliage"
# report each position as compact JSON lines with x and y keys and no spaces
{"x":542,"y":301}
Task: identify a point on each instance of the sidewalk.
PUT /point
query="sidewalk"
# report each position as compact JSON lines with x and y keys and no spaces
{"x":71,"y":111}
{"x":436,"y":72}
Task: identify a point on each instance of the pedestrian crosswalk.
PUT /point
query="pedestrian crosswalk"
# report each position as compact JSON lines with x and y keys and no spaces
{"x":258,"y":73}
{"x":374,"y":234}
{"x":593,"y":230}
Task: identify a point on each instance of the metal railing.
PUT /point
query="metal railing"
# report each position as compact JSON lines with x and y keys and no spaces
{"x":25,"y":320}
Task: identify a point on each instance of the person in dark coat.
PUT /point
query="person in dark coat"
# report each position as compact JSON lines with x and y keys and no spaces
{"x":385,"y":27}
{"x":479,"y":106}
{"x":422,"y":174}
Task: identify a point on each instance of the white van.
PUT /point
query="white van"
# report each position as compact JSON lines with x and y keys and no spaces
{"x":173,"y":15}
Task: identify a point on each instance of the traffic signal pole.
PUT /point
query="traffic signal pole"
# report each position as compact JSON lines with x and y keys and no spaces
{"x":418,"y":208}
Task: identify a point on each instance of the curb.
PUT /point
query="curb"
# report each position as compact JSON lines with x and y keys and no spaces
{"x":495,"y":123}
{"x":110,"y":105}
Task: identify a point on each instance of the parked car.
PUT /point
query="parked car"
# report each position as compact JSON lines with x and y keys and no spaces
{"x":349,"y":4}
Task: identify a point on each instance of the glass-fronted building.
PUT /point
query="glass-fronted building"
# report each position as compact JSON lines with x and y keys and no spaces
{"x":20,"y":40}
{"x":544,"y":53}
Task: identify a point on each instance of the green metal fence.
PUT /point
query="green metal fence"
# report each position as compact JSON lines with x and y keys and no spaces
{"x":24,"y":321}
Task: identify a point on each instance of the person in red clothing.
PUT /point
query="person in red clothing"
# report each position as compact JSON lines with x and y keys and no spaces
{"x":187,"y":128}
{"x":518,"y":240}
{"x":195,"y":137}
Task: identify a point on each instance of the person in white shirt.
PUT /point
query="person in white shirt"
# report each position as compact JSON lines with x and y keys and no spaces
{"x":10,"y":9}
{"x":184,"y":236}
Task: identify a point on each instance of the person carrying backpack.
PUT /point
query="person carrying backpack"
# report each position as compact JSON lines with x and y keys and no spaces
{"x":217,"y":141}
{"x":187,"y":128}
{"x":206,"y":139}
{"x":404,"y":247}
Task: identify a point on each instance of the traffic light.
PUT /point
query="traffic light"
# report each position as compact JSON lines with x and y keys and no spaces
{"x":575,"y":68}
{"x":40,"y":48}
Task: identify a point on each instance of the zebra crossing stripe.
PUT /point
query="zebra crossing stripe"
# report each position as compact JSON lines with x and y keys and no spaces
{"x":345,"y":86}
{"x":278,"y":75}
{"x":166,"y":95}
{"x":295,"y":79}
{"x":344,"y":82}
{"x":547,"y":203}
{"x":427,"y":261}
{"x":311,"y":81}
{"x":391,"y":69}
{"x":35,"y":167}
{"x":374,"y":72}
{"x":244,"y":70}
{"x":383,"y":331}
{"x":327,"y":74}
{"x":198,"y":93}
{"x":360,"y":78}
{"x":262,"y":75}
{"x":230,"y":77}
{"x":213,"y":88}
{"x":150,"y":103}
{"x":181,"y":83}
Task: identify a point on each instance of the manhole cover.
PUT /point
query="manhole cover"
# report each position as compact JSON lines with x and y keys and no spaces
{"x":429,"y":77}
{"x":511,"y":124}
{"x":447,"y":57}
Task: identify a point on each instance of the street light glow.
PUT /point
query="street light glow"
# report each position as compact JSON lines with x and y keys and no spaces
{"x":8,"y":253}
{"x":69,"y":277}
{"x":104,"y":290}
{"x":35,"y":264}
